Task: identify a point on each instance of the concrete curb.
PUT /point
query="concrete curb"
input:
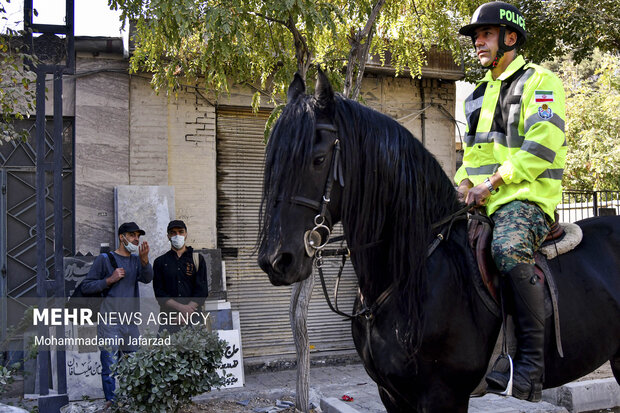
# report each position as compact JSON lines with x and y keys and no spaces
{"x":333,"y":405}
{"x":583,"y":396}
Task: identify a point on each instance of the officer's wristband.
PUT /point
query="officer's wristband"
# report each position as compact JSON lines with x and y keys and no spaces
{"x":490,"y":186}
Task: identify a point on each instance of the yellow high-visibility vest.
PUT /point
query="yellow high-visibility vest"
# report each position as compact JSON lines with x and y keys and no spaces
{"x":515,"y":125}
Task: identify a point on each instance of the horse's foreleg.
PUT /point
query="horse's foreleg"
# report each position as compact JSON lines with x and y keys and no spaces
{"x":391,"y":405}
{"x":394,"y":404}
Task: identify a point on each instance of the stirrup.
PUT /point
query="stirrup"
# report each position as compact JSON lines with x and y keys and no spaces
{"x":508,"y":390}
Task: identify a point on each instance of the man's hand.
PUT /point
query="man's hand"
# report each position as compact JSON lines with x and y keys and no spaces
{"x":143,"y":252}
{"x":463,"y":189}
{"x":186,"y":309}
{"x":478,"y":195}
{"x":182,"y":308}
{"x":116,"y":276}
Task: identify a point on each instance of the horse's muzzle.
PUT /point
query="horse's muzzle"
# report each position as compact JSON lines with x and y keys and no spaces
{"x":283,"y":268}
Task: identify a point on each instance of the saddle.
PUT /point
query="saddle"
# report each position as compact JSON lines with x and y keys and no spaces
{"x":480,"y":234}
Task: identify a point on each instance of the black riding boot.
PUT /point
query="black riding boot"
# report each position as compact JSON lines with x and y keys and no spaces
{"x":529,"y":318}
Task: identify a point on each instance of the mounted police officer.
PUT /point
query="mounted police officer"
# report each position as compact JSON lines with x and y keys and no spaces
{"x":513,"y":160}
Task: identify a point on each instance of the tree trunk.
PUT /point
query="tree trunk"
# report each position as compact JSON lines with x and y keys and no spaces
{"x":300,"y":300}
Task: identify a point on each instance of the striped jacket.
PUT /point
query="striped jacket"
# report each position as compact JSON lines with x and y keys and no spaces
{"x":515,"y":124}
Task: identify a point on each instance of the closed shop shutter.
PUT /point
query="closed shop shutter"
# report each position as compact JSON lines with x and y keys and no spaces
{"x":263,"y":308}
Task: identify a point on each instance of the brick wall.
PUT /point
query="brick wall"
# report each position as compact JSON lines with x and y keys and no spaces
{"x":148,"y":134}
{"x":192,"y":165}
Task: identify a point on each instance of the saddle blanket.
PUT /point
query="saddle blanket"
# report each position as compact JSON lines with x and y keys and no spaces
{"x":571,"y":238}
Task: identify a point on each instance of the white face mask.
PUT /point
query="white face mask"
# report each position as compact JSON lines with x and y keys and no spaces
{"x":178,"y":241}
{"x":131,"y":248}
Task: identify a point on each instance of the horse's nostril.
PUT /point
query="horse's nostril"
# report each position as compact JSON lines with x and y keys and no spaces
{"x":283,"y":262}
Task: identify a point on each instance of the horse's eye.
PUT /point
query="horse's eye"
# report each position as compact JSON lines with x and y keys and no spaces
{"x":319,"y":160}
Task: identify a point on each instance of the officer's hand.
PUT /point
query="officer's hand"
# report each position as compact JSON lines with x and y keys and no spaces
{"x":116,"y":276}
{"x":478,"y":195}
{"x":463,"y":189}
{"x":143,"y":251}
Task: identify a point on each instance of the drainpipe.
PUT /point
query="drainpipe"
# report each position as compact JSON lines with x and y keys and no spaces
{"x":423,"y":116}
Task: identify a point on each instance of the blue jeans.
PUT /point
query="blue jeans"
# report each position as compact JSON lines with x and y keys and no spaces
{"x":107,"y":378}
{"x":112,"y":354}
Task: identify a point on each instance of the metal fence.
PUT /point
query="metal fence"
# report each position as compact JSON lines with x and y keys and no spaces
{"x":577,"y":204}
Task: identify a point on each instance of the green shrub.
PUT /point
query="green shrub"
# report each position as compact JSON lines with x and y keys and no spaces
{"x":6,"y":377}
{"x":164,"y":378}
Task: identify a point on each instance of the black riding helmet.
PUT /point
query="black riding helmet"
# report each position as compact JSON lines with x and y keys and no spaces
{"x":498,"y":13}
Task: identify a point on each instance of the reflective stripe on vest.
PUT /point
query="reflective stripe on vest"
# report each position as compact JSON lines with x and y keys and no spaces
{"x":514,"y":140}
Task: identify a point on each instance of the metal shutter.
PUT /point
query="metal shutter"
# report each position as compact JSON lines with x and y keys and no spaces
{"x":263,"y":308}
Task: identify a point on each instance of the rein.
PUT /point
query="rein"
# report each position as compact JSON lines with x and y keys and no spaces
{"x":369,"y":311}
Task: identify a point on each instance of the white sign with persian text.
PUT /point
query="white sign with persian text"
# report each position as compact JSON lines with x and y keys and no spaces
{"x":232,"y":362}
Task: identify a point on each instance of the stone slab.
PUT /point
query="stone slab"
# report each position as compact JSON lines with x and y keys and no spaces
{"x":493,"y":403}
{"x":221,"y":319}
{"x":84,"y":375}
{"x":584,"y":396}
{"x":215,"y":275}
{"x":11,"y":409}
{"x":149,"y":206}
{"x":152,"y":208}
{"x":232,"y":362}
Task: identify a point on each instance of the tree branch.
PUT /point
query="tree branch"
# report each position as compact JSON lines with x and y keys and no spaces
{"x":271,"y":19}
{"x":359,"y":53}
{"x":362,"y":66}
{"x":302,"y":52}
{"x":372,"y":18}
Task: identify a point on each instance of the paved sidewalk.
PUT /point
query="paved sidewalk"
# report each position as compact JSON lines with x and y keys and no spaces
{"x":332,"y":382}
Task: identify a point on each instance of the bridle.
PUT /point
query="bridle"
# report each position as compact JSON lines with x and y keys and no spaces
{"x":315,"y":242}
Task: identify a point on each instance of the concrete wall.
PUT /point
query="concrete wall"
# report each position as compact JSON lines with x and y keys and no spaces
{"x":401,"y":98}
{"x":126,"y":134}
{"x":101,"y":147}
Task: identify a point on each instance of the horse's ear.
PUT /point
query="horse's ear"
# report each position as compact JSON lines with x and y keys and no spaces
{"x":296,"y":88}
{"x":323,"y":91}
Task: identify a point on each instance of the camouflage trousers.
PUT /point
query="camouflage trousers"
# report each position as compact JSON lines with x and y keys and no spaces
{"x":520,"y":229}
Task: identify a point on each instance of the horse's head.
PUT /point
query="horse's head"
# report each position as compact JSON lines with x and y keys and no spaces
{"x":302,"y":183}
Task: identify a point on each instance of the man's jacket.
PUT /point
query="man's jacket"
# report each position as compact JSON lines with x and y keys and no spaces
{"x":515,"y":124}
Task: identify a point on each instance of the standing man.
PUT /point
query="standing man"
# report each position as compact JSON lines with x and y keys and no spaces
{"x":180,"y":277}
{"x":115,"y":275}
{"x":513,"y":162}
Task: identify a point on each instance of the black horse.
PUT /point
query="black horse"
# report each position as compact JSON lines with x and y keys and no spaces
{"x":428,"y":340}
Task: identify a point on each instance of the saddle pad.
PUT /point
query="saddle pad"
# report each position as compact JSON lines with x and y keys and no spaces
{"x":572,"y":237}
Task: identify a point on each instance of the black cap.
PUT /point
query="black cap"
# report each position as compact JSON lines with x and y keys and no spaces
{"x":130,"y":227}
{"x":176,"y":223}
{"x":497,"y":13}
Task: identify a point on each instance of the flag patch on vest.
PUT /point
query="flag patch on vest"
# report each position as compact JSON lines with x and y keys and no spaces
{"x":543,"y":96}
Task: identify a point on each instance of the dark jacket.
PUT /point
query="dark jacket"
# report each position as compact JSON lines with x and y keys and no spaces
{"x":176,"y":277}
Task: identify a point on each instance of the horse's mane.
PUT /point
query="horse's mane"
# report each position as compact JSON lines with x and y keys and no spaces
{"x":394,"y":191}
